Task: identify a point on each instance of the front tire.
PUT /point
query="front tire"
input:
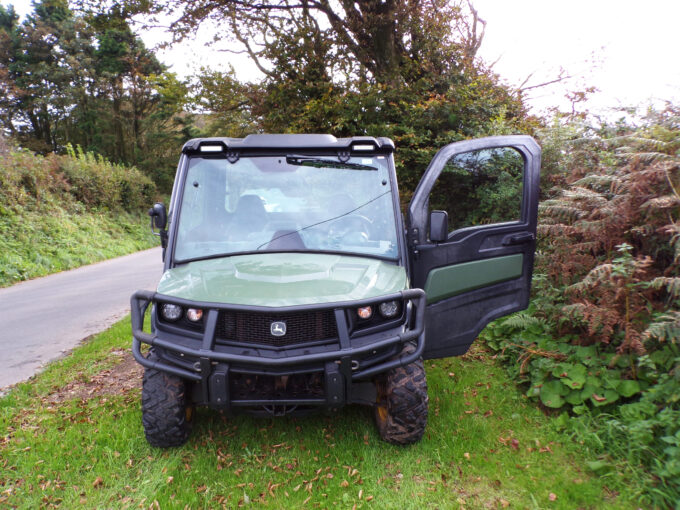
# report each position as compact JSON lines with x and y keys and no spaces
{"x":166,"y":409}
{"x":401,"y":409}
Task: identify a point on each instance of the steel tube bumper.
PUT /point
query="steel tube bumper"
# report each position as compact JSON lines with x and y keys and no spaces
{"x":206,"y":351}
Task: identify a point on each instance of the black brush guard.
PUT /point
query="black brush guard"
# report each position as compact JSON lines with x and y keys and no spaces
{"x":212,"y":368}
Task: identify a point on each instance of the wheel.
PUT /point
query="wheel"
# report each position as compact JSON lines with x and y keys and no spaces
{"x":401,"y":408}
{"x":166,"y":408}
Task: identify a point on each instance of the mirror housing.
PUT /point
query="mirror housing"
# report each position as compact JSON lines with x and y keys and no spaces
{"x":159,"y":216}
{"x":439,"y":226}
{"x":159,"y":219}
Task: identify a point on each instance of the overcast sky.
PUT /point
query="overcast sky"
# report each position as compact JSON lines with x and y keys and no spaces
{"x":628,"y":49}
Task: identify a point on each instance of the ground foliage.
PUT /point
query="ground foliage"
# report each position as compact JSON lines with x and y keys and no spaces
{"x":600,"y":338}
{"x":73,"y":438}
{"x":59,"y":212}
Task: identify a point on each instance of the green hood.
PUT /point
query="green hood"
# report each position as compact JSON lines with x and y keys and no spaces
{"x":283,"y":279}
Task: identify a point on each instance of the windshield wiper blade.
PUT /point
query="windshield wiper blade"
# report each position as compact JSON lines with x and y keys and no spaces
{"x":325,"y":163}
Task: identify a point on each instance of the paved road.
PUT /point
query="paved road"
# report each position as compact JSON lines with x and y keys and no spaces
{"x":41,"y":319}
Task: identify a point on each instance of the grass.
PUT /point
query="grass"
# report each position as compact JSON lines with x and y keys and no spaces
{"x":485,"y":447}
{"x":59,"y":212}
{"x":34,"y":243}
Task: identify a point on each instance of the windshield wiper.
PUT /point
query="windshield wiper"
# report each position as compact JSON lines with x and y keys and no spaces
{"x":325,"y":163}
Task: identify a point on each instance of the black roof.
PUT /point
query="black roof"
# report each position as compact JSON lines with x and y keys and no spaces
{"x":288,"y":142}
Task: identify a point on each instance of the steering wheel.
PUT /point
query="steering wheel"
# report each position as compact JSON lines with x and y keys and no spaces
{"x":355,"y":225}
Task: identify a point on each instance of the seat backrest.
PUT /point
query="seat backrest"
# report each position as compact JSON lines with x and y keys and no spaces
{"x":250,"y":210}
{"x":286,"y":240}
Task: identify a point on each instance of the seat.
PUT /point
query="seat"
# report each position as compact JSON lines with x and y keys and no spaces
{"x":286,"y":240}
{"x":249,"y":215}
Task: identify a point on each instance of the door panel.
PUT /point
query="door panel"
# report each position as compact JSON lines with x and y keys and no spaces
{"x":449,"y":281}
{"x":489,"y":188}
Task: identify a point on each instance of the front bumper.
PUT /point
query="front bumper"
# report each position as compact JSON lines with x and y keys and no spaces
{"x":211,"y":364}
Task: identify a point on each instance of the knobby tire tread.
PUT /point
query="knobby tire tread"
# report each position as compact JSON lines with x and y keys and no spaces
{"x":164,"y":408}
{"x":405,"y":399}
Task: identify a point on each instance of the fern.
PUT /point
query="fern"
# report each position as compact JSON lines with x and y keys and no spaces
{"x":645,"y":157}
{"x":602,"y":182}
{"x":591,"y":226}
{"x":665,"y":329}
{"x":596,"y":275}
{"x":672,"y":285}
{"x":574,"y":310}
{"x":560,"y":210}
{"x":662,"y":203}
{"x":555,"y":229}
{"x":650,"y":144}
{"x":674,"y":231}
{"x":524,"y":320}
{"x":581,"y":193}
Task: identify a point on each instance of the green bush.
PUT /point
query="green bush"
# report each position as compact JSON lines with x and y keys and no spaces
{"x":74,"y":180}
{"x":600,"y":341}
{"x":97,"y":183}
{"x":63,"y":211}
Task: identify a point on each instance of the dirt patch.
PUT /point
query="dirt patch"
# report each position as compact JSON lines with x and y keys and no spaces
{"x":119,"y":379}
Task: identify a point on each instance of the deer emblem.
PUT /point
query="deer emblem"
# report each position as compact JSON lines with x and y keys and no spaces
{"x":278,"y":328}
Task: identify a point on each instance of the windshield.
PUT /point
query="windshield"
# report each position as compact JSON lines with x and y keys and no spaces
{"x":286,"y":203}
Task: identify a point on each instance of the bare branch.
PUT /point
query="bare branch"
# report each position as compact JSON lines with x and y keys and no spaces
{"x":561,"y":77}
{"x":253,"y":55}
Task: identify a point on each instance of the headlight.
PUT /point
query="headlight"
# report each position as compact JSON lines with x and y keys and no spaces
{"x":171,"y":312}
{"x":365,"y":312}
{"x":194,"y":314}
{"x":389,"y":309}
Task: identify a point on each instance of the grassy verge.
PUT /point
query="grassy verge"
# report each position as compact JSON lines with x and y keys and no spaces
{"x":63,"y":211}
{"x":73,"y":437}
{"x":34,"y":244}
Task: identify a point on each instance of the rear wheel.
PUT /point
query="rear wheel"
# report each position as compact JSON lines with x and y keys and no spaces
{"x":401,"y":409}
{"x":166,"y":409}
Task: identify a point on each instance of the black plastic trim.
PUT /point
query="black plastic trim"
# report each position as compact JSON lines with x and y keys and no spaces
{"x":344,"y":350}
{"x":288,"y":141}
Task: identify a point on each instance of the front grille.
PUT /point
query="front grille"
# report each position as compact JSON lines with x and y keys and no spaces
{"x":255,"y":327}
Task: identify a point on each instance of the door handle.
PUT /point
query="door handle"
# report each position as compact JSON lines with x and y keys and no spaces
{"x":521,"y":238}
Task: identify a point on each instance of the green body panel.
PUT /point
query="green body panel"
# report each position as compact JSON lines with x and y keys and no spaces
{"x":283,"y":279}
{"x":445,"y":282}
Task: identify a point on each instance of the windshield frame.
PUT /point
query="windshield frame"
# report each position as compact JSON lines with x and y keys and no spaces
{"x":180,"y":184}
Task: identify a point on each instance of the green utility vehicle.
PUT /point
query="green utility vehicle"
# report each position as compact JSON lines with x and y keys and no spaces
{"x":293,"y":282}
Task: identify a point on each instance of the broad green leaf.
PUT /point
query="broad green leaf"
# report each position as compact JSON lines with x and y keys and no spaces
{"x":627,"y":388}
{"x":572,"y":375}
{"x":611,"y":379}
{"x":552,"y":394}
{"x":534,"y":391}
{"x":575,"y":397}
{"x":586,"y":353}
{"x":604,"y":397}
{"x":579,"y":410}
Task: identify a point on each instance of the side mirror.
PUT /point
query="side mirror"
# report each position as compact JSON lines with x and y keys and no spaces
{"x":159,"y":217}
{"x":439,"y":226}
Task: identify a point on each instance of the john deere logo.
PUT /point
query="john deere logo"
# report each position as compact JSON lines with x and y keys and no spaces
{"x":278,"y":328}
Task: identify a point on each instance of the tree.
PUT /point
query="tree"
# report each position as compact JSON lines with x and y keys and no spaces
{"x":407,"y":70}
{"x":83,"y":80}
{"x":34,"y":70}
{"x":9,"y":94}
{"x":386,"y":41}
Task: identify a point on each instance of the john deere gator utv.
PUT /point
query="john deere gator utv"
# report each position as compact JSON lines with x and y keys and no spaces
{"x":292,"y":282}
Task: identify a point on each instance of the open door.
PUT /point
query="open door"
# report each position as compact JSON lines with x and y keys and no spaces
{"x":475,"y":265}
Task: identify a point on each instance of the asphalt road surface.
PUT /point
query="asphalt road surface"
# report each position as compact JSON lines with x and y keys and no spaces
{"x":42,"y":319}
